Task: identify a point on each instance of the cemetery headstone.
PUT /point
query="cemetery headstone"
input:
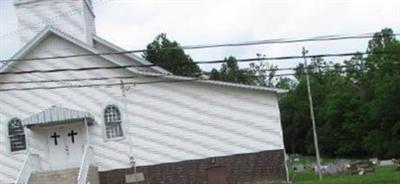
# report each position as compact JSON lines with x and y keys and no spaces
{"x":332,"y":169}
{"x":361,"y":167}
{"x":375,"y":161}
{"x":328,"y":169}
{"x":342,"y":164}
{"x":299,"y":168}
{"x":386,"y":162}
{"x":396,"y":162}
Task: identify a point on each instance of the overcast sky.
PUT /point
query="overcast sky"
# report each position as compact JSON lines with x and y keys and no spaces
{"x":132,"y":24}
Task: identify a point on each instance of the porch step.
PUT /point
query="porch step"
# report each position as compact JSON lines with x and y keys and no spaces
{"x":67,"y":176}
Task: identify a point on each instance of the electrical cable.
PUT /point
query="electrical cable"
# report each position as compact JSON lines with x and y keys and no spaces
{"x":262,"y":42}
{"x":196,"y":62}
{"x":98,"y":85}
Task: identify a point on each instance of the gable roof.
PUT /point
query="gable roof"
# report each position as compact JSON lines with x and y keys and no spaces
{"x":46,"y":32}
{"x":158,"y":71}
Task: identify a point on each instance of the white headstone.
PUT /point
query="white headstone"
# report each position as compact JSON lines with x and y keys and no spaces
{"x":374,"y":160}
{"x":386,"y":162}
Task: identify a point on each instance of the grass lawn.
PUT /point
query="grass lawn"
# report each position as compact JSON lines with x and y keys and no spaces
{"x":382,"y":175}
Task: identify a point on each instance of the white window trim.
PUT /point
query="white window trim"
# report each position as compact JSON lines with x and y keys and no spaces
{"x":104,"y":129}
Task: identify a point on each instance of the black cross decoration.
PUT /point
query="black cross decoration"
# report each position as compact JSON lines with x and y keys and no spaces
{"x":55,"y":136}
{"x":72,"y":134}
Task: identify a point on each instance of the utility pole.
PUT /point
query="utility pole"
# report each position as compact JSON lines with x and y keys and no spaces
{"x":304,"y":52}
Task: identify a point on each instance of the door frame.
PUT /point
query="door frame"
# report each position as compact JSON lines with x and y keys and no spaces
{"x":66,"y":127}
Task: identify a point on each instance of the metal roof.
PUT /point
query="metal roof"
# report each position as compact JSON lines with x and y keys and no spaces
{"x":163,"y":73}
{"x":49,"y":30}
{"x":57,"y":115}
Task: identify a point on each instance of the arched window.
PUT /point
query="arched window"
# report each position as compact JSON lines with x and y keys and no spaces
{"x":16,"y":135}
{"x":112,"y":121}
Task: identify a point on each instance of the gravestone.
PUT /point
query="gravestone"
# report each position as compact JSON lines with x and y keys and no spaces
{"x":361,"y":167}
{"x":375,"y":161}
{"x":396,"y":162}
{"x":328,"y":169}
{"x":299,"y":168}
{"x":343,"y":164}
{"x":322,"y":168}
{"x":386,"y":162}
{"x":334,"y":169}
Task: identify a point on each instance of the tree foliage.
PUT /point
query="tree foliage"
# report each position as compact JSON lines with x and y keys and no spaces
{"x":258,"y":74}
{"x":357,"y":106}
{"x":230,"y":72}
{"x":170,"y":56}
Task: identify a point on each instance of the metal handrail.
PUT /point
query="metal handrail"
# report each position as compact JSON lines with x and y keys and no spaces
{"x":30,"y":165}
{"x":85,"y":165}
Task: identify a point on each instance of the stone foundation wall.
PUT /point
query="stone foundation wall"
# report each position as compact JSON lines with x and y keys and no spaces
{"x":241,"y":168}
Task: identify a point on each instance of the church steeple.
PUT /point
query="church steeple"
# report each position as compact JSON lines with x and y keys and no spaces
{"x":74,"y":17}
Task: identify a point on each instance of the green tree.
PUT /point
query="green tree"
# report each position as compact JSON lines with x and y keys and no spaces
{"x":170,"y":56}
{"x":259,"y":74}
{"x":230,"y":72}
{"x":382,"y":110}
{"x":356,"y":106}
{"x":264,"y":73}
{"x":286,"y":83}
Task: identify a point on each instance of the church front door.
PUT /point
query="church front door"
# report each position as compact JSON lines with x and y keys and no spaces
{"x":65,"y":146}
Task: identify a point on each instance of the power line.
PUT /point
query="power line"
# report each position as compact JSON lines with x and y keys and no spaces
{"x":135,"y":76}
{"x":109,"y":84}
{"x":196,"y":62}
{"x":68,"y":80}
{"x":98,"y":85}
{"x":283,"y":40}
{"x":260,"y":42}
{"x":114,"y":84}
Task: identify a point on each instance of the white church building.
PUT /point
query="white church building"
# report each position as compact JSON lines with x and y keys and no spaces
{"x":125,"y":124}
